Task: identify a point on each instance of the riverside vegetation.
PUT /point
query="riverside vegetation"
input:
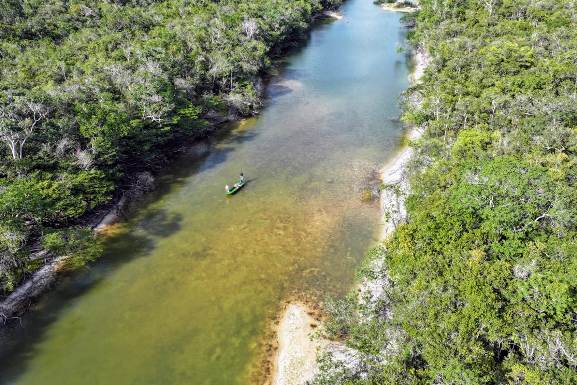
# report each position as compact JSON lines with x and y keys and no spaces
{"x":93,"y":92}
{"x":482,"y":277}
{"x":186,"y":288}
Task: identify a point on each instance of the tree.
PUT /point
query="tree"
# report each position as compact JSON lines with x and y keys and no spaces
{"x":19,"y":118}
{"x":94,"y":92}
{"x":483,"y":275}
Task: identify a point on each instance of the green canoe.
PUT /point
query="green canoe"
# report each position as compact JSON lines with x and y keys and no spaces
{"x":234,"y":189}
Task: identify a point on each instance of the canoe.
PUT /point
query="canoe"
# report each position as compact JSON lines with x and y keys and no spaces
{"x":234,"y":189}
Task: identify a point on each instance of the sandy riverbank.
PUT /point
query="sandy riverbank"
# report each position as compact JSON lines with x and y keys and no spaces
{"x":393,"y":8}
{"x":393,"y":174}
{"x":333,"y":14}
{"x":297,"y":350}
{"x":399,"y":6}
{"x":295,"y":362}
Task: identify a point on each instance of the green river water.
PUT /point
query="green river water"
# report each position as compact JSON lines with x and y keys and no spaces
{"x":185,"y":290}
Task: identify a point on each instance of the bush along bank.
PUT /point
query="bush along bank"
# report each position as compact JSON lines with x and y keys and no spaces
{"x":93,"y":93}
{"x":481,"y":280}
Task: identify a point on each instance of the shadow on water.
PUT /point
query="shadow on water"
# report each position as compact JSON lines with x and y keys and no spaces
{"x":277,"y":90}
{"x":18,"y":341}
{"x":200,"y":156}
{"x":281,"y":74}
{"x":239,"y":138}
{"x":293,"y":73}
{"x":161,"y":224}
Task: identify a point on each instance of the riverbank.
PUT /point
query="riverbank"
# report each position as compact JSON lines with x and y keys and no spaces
{"x":135,"y":186}
{"x":297,"y":350}
{"x":399,"y":6}
{"x":393,"y":174}
{"x":196,"y":274}
{"x":333,"y":14}
{"x":298,"y":344}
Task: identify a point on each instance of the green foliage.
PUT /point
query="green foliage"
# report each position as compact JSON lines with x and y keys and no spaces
{"x":483,"y":277}
{"x":93,"y":91}
{"x":80,"y":245}
{"x":41,"y":200}
{"x":341,"y":316}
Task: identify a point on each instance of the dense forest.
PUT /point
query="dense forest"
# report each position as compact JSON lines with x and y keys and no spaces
{"x":93,"y":91}
{"x":483,"y":275}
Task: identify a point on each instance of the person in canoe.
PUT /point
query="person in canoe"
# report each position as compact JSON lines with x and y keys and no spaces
{"x":237,"y":186}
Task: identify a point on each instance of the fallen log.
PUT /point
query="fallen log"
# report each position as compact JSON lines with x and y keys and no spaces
{"x":19,"y":300}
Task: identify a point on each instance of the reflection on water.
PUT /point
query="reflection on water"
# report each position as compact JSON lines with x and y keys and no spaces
{"x":185,"y":289}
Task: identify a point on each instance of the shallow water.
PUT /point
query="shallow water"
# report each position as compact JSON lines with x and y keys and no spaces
{"x":184,"y":291}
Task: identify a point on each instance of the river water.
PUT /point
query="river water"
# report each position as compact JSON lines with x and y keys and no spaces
{"x":186,"y":288}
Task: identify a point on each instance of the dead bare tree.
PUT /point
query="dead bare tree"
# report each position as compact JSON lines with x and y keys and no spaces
{"x":19,"y":118}
{"x":249,"y":27}
{"x":490,"y":6}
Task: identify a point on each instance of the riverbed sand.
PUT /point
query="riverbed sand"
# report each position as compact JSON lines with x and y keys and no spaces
{"x":394,"y":8}
{"x":297,"y":350}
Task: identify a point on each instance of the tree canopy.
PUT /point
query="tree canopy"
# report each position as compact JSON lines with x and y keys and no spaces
{"x":483,"y":276}
{"x":92,"y":91}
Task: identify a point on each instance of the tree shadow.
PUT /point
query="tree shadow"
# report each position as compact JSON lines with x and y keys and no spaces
{"x":291,"y":73}
{"x":206,"y":154}
{"x":20,"y":338}
{"x":160,"y":223}
{"x":240,"y":138}
{"x":277,"y":90}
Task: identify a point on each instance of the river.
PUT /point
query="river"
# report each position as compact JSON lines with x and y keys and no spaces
{"x":186,"y":288}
